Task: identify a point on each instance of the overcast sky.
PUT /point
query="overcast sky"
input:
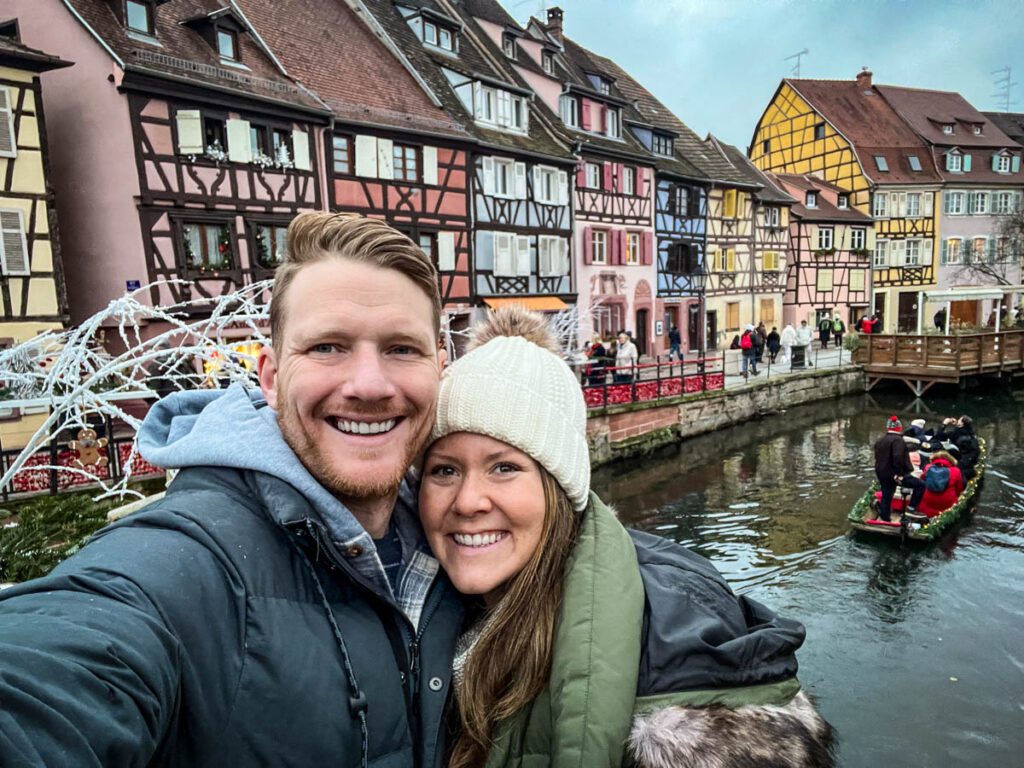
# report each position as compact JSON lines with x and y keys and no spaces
{"x":716,"y":63}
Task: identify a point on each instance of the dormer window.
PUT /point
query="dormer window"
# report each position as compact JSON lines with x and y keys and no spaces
{"x":570,"y":107}
{"x":501,"y":108}
{"x":843,"y":202}
{"x":547,"y":62}
{"x":138,"y":16}
{"x":446,"y":39}
{"x":661,"y":144}
{"x":221,"y":30}
{"x":601,"y":85}
{"x":227,"y":44}
{"x":438,"y":36}
{"x":429,"y":33}
{"x":508,"y":45}
{"x":955,"y":162}
{"x":977,"y":130}
{"x":811,"y":200}
{"x":947,"y":128}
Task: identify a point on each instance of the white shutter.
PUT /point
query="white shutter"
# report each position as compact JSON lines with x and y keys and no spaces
{"x":520,"y":181}
{"x":504,"y":99}
{"x":903,"y":204}
{"x":446,"y":251}
{"x":385,"y":159}
{"x":13,"y":247}
{"x":897,"y":248}
{"x":544,"y":255}
{"x":366,"y":156}
{"x":430,"y":165}
{"x":190,"y":131}
{"x":926,"y":203}
{"x":563,"y":256}
{"x":926,"y":251}
{"x":239,"y":141}
{"x":300,"y":145}
{"x":537,"y":189}
{"x":478,"y":101}
{"x":8,"y":141}
{"x":488,"y":164}
{"x":503,"y":255}
{"x":563,"y":188}
{"x":522,"y":256}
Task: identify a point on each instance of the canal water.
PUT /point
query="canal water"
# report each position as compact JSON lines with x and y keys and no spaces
{"x":915,"y":655}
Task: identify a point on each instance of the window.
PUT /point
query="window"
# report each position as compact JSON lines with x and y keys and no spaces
{"x":1002,"y":164}
{"x":771,"y":217}
{"x":881,"y":254}
{"x":139,"y":16}
{"x":406,"y":163}
{"x":214,"y":133}
{"x":281,"y":143}
{"x":770,"y":262}
{"x":766,"y":146}
{"x":508,"y":46}
{"x":858,"y":239}
{"x":954,"y":203}
{"x":947,"y":128}
{"x":915,"y":163}
{"x":977,"y":202}
{"x":227,"y":44}
{"x":953,"y":254}
{"x":661,"y":144}
{"x":913,"y":204}
{"x":858,"y":279}
{"x":819,"y":131}
{"x":632,"y":248}
{"x":547,"y":62}
{"x":824,"y":280}
{"x":811,"y":200}
{"x":1002,"y":248}
{"x":912,"y":253}
{"x":881,"y":163}
{"x":259,"y":140}
{"x":977,"y":130}
{"x":679,"y":201}
{"x":724,"y":260}
{"x":545,"y":185}
{"x":825,"y":238}
{"x":342,"y":153}
{"x":1004,"y":202}
{"x":206,"y":246}
{"x":613,"y":129}
{"x":767,"y":313}
{"x":504,"y":179}
{"x":978,"y":250}
{"x":429,"y":33}
{"x":880,"y":208}
{"x":682,"y":259}
{"x":553,"y":256}
{"x":570,"y":111}
{"x":593,"y":176}
{"x":13,"y":246}
{"x":270,"y":244}
{"x":427,"y":241}
{"x":599,"y":246}
{"x":629,"y":180}
{"x":955,"y":162}
{"x":843,"y":202}
{"x":499,"y":107}
{"x":732,"y":316}
{"x":446,"y":39}
{"x":602,"y":85}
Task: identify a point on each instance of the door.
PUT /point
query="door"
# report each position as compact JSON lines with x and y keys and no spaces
{"x":642,"y":322}
{"x":963,"y":313}
{"x":712,"y":329}
{"x":693,"y":327}
{"x":906,"y":319}
{"x":880,"y":310}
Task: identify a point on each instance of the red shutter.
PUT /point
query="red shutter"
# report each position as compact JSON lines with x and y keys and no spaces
{"x":644,"y":185}
{"x":603,"y":126}
{"x":588,"y":246}
{"x":581,"y":175}
{"x":608,"y":185}
{"x":646,"y":248}
{"x":620,"y":181}
{"x":585,"y":105}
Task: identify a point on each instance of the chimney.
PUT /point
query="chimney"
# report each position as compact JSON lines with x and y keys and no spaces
{"x":554,"y":25}
{"x":864,"y":79}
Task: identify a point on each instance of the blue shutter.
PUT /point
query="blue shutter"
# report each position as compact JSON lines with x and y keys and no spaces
{"x":967,"y":163}
{"x":942,"y":258}
{"x":949,"y":162}
{"x":946,"y":195}
{"x":1015,"y":164}
{"x":995,"y":162}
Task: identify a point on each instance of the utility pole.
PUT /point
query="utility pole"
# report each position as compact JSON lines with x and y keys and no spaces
{"x":798,"y":56}
{"x":1004,"y":88}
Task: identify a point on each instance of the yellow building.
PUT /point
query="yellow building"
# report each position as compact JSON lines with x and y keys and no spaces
{"x":32,"y":298}
{"x":844,"y":132}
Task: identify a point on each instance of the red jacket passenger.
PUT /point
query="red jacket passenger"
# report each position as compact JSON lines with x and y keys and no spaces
{"x":933,"y":503}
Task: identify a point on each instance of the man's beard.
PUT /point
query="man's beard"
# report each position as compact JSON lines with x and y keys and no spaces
{"x":323,"y":470}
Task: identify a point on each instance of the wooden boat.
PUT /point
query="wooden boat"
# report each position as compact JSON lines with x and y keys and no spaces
{"x":864,"y":515}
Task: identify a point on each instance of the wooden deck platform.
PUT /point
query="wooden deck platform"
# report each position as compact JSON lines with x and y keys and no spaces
{"x":921,"y":361}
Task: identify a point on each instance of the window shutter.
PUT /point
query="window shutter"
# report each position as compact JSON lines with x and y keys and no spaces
{"x":585,"y":106}
{"x":537,"y":188}
{"x":446,"y":251}
{"x":385,"y":159}
{"x":488,"y":166}
{"x":588,"y":245}
{"x":967,"y":163}
{"x":1015,"y":164}
{"x":995,"y":162}
{"x":947,"y":202}
{"x":239,"y":141}
{"x":503,"y":255}
{"x":366,"y":156}
{"x":730,"y":260}
{"x":620,"y":180}
{"x":608,"y":184}
{"x":926,"y":251}
{"x":926,"y":203}
{"x":603,"y":126}
{"x":504,"y":99}
{"x":545,"y":266}
{"x":563,"y":256}
{"x":8,"y":141}
{"x":949,"y":162}
{"x":646,"y":249}
{"x":729,"y":204}
{"x":430,"y":165}
{"x":300,"y":144}
{"x":990,"y":247}
{"x":190,"y":131}
{"x":13,"y":247}
{"x":581,"y":176}
{"x":520,"y":181}
{"x":901,"y":203}
{"x":523,"y":256}
{"x":563,"y":188}
{"x":784,"y":217}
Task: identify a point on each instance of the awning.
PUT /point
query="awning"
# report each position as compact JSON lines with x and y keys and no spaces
{"x":538,"y":303}
{"x":965,"y":294}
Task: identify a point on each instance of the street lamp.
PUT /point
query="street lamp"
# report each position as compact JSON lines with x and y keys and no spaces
{"x":698,"y":284}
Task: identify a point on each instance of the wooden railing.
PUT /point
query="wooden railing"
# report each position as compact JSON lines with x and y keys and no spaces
{"x":952,"y":355}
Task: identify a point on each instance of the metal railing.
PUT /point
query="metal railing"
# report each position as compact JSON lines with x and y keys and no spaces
{"x":604,"y":386}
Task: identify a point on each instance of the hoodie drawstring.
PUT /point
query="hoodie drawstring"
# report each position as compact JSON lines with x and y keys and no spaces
{"x":357,"y":699}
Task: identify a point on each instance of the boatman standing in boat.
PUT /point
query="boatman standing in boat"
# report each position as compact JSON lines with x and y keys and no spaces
{"x":893,"y":468}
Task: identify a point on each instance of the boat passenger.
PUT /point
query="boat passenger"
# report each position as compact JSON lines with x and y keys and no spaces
{"x":914,"y":452}
{"x":893,"y":468}
{"x":915,"y":430}
{"x":943,"y":485}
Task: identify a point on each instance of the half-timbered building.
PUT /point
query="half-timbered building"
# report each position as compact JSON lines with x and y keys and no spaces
{"x":847,"y":134}
{"x":391,"y":150}
{"x":182,"y":149}
{"x":829,"y":263}
{"x":519,"y":169}
{"x":32,"y":291}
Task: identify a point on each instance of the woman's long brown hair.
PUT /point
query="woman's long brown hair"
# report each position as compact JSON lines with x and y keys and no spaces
{"x":511,"y":662}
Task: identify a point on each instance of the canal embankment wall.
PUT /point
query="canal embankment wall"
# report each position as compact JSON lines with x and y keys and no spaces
{"x":627,"y":431}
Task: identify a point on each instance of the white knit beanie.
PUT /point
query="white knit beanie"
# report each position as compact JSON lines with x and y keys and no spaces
{"x":513,"y":390}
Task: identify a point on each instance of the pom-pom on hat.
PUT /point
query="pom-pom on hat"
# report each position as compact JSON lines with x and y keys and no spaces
{"x":893,"y":425}
{"x":514,"y":386}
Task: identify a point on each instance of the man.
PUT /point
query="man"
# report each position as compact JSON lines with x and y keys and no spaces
{"x":749,"y":352}
{"x":824,"y":330}
{"x":279,"y":606}
{"x":675,"y":344}
{"x":626,"y":359}
{"x":940,"y":320}
{"x":803,"y":344}
{"x":838,"y":329}
{"x":893,"y":468}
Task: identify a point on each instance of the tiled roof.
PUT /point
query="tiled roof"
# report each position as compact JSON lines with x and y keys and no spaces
{"x":325,"y":46}
{"x":927,"y":110}
{"x":1010,"y":123}
{"x":799,"y":185}
{"x":183,"y":53}
{"x":738,"y":169}
{"x":32,"y":59}
{"x":872,"y":126}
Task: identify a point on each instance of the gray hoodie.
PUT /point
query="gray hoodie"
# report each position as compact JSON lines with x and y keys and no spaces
{"x":236,"y":428}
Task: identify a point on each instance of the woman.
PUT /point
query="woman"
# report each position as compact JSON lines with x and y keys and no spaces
{"x":583,"y":636}
{"x":774,"y":343}
{"x":598,"y":357}
{"x":943,"y":487}
{"x":788,"y":342}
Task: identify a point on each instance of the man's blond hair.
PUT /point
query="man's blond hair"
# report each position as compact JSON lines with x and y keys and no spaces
{"x":316,"y":237}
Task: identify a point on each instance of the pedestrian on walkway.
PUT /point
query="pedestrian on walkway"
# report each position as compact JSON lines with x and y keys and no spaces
{"x":802,"y":346}
{"x":598,"y":356}
{"x":788,"y":342}
{"x":626,"y":359}
{"x":774,"y":342}
{"x":824,"y":330}
{"x":760,"y":341}
{"x":749,"y":351}
{"x":838,"y":329}
{"x":675,"y":342}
